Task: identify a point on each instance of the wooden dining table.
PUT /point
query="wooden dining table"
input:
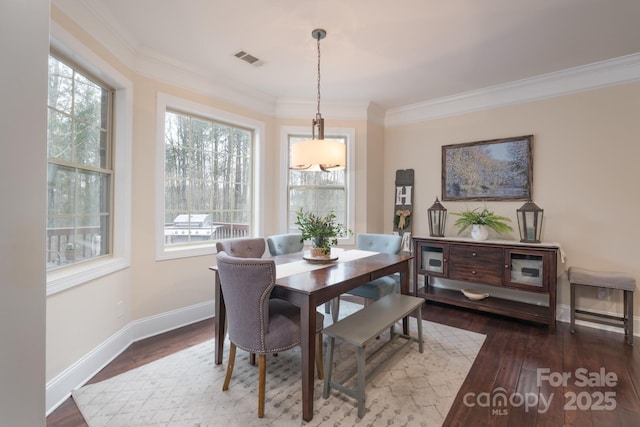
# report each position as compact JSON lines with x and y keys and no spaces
{"x":308,"y":289}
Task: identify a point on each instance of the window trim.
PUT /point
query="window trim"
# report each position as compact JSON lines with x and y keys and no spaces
{"x":169,"y":102}
{"x":81,"y":56}
{"x":350,"y":135}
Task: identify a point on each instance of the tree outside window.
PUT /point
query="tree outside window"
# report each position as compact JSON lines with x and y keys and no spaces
{"x":208,"y":176}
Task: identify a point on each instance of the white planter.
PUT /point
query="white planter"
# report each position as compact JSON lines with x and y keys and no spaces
{"x":479,"y":232}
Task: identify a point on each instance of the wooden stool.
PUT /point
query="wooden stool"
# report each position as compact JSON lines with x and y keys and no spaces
{"x":618,"y":281}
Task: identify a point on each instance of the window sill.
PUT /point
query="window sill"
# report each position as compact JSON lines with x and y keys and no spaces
{"x":58,"y":281}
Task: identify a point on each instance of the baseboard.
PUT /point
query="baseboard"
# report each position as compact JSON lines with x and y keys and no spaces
{"x":59,"y":388}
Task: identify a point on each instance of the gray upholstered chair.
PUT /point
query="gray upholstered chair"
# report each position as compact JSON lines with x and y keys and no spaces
{"x":246,"y":247}
{"x":257,"y":323}
{"x":376,"y":289}
{"x":281,"y":244}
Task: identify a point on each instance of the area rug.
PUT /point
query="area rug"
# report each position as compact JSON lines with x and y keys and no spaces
{"x":185,"y":388}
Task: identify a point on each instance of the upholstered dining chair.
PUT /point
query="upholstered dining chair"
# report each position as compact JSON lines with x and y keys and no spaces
{"x":376,"y":289}
{"x":281,"y":244}
{"x":257,"y":323}
{"x":245,"y":247}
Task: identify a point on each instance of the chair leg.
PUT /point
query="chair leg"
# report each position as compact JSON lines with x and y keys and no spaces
{"x":262,"y":373}
{"x":319,"y":362}
{"x":232,"y":359}
{"x":252,"y":359}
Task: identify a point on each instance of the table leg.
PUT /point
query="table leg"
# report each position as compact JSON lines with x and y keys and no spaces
{"x":220,"y":319}
{"x":308,"y":350}
{"x":404,"y":289}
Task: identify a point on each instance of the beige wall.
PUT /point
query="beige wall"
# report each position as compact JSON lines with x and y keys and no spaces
{"x":586,"y":150}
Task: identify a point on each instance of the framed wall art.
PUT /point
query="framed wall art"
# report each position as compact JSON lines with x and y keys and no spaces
{"x":497,"y":169}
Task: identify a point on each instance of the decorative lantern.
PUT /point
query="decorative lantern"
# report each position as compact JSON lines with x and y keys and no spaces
{"x":437,"y":219}
{"x":530,"y":222}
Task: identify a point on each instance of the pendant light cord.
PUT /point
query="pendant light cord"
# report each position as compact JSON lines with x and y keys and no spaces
{"x":318,"y":39}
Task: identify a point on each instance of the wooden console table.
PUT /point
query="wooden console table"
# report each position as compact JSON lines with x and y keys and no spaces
{"x":527,"y":267}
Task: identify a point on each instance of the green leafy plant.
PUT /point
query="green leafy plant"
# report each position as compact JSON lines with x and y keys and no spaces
{"x":482,"y":217}
{"x":323,"y":231}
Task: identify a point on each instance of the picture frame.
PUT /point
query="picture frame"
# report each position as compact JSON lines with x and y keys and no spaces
{"x":496,"y":169}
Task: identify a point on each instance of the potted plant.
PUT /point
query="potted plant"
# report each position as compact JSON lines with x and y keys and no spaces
{"x":323,"y":231}
{"x":480,"y":220}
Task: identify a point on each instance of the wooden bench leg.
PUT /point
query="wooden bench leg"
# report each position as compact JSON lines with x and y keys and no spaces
{"x":335,"y":309}
{"x":328,"y":366}
{"x":361,"y":381}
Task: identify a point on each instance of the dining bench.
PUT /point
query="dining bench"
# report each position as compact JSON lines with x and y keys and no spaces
{"x":360,"y":329}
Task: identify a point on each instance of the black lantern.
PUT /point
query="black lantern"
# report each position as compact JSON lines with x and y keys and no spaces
{"x":530,"y":222}
{"x":437,"y":219}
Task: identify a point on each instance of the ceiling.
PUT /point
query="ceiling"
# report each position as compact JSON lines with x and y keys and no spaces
{"x":392,"y":53}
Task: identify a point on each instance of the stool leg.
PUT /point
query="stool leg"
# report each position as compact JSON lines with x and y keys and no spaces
{"x":628,"y":316}
{"x":572,"y":327}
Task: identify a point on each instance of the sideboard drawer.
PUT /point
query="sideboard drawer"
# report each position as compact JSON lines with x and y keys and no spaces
{"x":476,"y":264}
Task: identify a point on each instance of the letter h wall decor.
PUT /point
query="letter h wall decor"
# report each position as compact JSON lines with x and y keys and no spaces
{"x":403,"y":208}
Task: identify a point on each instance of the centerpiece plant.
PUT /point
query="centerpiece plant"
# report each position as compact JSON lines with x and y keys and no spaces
{"x":322,"y":231}
{"x":480,"y":219}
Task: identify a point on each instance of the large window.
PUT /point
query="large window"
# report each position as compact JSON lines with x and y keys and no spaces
{"x":80,"y":171}
{"x":208,"y":180}
{"x":317,"y":191}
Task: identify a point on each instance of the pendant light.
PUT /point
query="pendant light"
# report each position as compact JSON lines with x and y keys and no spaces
{"x":318,"y":153}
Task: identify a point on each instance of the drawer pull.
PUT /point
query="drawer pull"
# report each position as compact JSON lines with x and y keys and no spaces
{"x":506,"y":266}
{"x":473,"y":272}
{"x":474,"y":254}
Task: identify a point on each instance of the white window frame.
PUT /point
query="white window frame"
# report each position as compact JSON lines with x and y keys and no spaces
{"x":169,"y":102}
{"x":59,"y":280}
{"x":350,"y":135}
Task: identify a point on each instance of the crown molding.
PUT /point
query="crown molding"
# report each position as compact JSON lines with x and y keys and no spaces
{"x":616,"y":71}
{"x":97,"y":21}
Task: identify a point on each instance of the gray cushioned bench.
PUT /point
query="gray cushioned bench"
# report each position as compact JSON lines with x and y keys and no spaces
{"x":362,"y":327}
{"x":619,"y":281}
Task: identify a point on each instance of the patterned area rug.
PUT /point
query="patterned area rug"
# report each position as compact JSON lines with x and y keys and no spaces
{"x":185,"y":388}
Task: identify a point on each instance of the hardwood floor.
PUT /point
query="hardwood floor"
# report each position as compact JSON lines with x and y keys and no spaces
{"x":513,"y":353}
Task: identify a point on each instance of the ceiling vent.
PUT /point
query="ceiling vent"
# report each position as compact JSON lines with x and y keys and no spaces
{"x":248,"y":58}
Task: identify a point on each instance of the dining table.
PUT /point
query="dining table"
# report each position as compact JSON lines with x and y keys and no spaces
{"x":308,"y":284}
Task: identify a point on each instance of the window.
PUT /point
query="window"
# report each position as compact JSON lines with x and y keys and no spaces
{"x":317,"y":191}
{"x":89,"y":166}
{"x":208,"y":175}
{"x":80,"y":171}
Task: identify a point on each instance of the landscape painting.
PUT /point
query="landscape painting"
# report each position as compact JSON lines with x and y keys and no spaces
{"x":497,"y":169}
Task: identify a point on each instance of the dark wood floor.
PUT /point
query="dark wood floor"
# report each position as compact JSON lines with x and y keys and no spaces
{"x":513,"y":353}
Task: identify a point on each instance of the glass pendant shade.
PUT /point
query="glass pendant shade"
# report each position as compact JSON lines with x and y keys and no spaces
{"x":327,"y":155}
{"x":530,"y":222}
{"x":318,"y":153}
{"x":437,"y":219}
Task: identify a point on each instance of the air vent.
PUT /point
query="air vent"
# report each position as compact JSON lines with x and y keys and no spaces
{"x":248,"y":58}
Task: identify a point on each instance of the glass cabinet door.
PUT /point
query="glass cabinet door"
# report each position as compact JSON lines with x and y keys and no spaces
{"x":525,"y":270}
{"x":432,"y":259}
